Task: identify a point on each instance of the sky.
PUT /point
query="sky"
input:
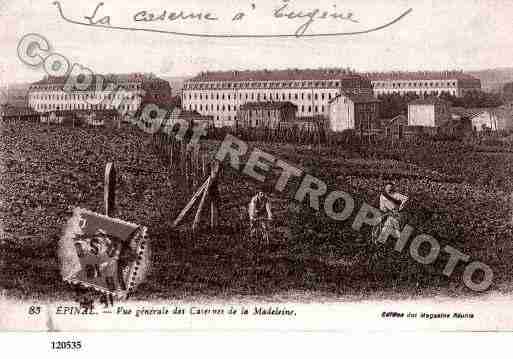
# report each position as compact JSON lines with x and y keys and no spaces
{"x":435,"y":35}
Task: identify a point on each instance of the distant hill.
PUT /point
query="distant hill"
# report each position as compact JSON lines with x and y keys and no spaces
{"x":494,"y":79}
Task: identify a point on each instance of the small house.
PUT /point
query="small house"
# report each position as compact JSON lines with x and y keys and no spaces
{"x":352,"y":112}
{"x":428,"y":112}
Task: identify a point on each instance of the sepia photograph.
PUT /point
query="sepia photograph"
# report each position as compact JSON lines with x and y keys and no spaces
{"x":257,"y":165}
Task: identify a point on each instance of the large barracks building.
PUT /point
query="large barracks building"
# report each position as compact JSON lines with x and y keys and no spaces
{"x":221,"y":94}
{"x":123,"y":92}
{"x":423,"y":83}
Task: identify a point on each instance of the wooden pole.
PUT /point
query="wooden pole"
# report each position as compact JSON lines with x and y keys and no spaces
{"x":186,"y":168}
{"x":171,"y":155}
{"x":213,"y":213}
{"x":110,"y":189}
{"x":197,"y":217}
{"x":203,"y":168}
{"x":214,"y":195}
{"x":189,"y":205}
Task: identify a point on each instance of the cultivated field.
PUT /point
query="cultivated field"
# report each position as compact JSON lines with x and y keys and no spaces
{"x":459,"y":194}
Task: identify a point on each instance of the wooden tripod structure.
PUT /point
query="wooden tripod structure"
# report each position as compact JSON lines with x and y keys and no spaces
{"x":208,"y":192}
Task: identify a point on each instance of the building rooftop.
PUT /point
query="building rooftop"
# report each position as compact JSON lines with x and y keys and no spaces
{"x":75,"y":113}
{"x":418,"y":75}
{"x":276,"y":75}
{"x":357,"y":98}
{"x":468,"y":112}
{"x":363,"y":98}
{"x":428,"y":101}
{"x":107,"y":78}
{"x":267,"y":105}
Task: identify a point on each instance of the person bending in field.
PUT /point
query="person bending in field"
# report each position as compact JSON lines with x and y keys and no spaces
{"x":259,"y":209}
{"x":391,"y":204}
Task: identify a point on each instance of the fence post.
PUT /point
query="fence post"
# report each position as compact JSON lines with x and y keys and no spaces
{"x":186,"y":156}
{"x":203,"y":168}
{"x":109,"y":198}
{"x":171,"y":155}
{"x":214,"y":195}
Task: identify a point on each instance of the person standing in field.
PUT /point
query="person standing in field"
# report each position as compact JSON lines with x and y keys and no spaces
{"x":391,"y":203}
{"x":259,"y":209}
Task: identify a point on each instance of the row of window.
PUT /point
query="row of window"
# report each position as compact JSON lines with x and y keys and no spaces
{"x":58,"y":87}
{"x":65,"y":97}
{"x":265,"y":84}
{"x":82,"y":106}
{"x":414,"y":84}
{"x":259,"y":96}
{"x":229,"y":108}
{"x":425,"y":93}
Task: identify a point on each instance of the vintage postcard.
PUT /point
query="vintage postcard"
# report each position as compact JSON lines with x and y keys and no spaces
{"x":256,"y":165}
